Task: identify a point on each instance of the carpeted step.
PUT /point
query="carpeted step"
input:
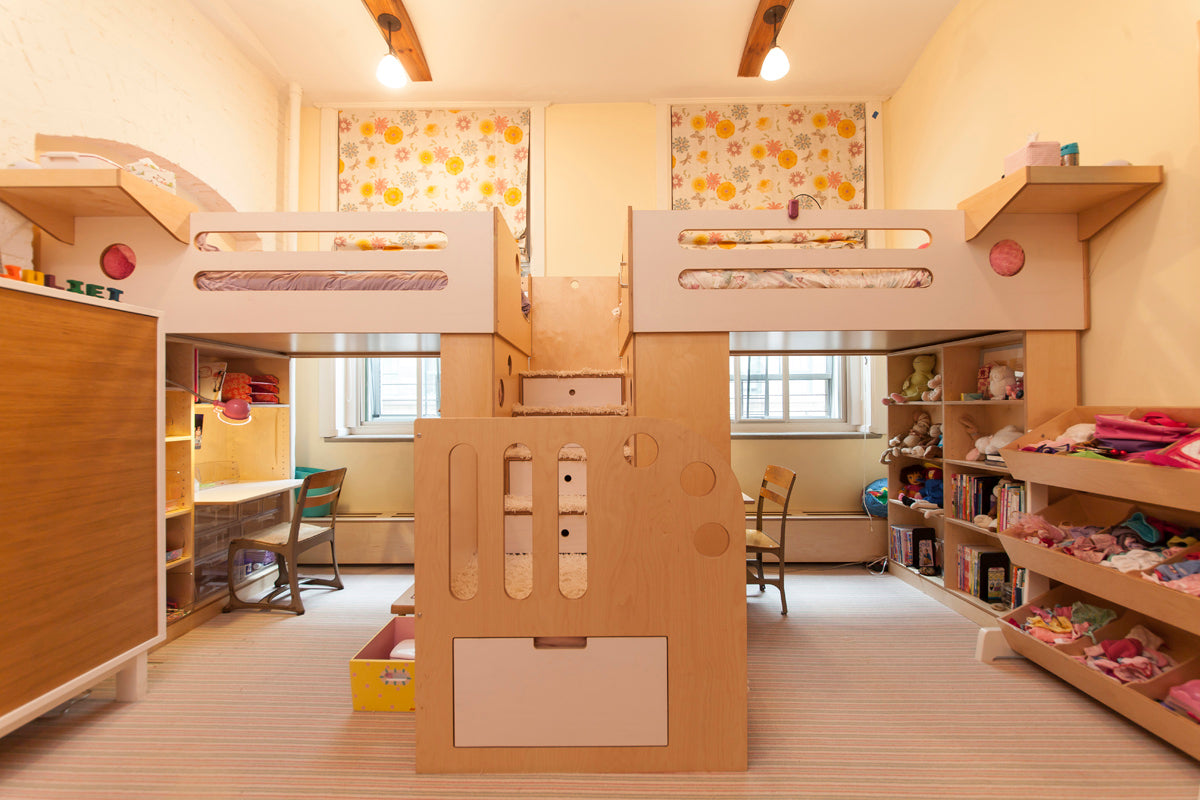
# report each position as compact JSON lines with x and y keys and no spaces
{"x":520,"y":410}
{"x":567,"y":504}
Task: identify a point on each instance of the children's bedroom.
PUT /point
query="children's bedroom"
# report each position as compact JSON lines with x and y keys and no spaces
{"x":391,"y":384}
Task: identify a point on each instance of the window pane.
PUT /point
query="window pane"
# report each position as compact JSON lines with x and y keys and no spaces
{"x":431,"y":387}
{"x":762,"y":387}
{"x":808,"y":399}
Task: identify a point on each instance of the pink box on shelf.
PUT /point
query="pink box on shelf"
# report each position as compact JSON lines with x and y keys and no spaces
{"x":1033,"y":154}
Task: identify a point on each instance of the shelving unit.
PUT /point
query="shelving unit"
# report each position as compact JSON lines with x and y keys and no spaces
{"x":1171,"y":614}
{"x":1046,"y":361}
{"x":53,"y":198}
{"x":1096,"y":195}
{"x":208,"y":451}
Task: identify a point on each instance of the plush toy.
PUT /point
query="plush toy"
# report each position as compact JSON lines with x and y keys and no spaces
{"x":916,"y":383}
{"x":934,"y":392}
{"x":988,"y":445}
{"x":932,"y":448}
{"x":932,"y":489}
{"x":917,"y":435}
{"x":911,"y":480}
{"x":996,"y":380}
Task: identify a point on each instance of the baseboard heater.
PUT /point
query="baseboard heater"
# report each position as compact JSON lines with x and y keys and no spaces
{"x":828,"y":537}
{"x":368,"y":539}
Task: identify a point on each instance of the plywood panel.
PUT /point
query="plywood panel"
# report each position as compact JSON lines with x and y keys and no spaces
{"x":573,"y":323}
{"x":79,"y":558}
{"x":662,"y":562}
{"x":685,"y":377}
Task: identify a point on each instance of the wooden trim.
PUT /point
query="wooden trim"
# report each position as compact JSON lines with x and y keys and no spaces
{"x":404,"y":42}
{"x":758,"y":39}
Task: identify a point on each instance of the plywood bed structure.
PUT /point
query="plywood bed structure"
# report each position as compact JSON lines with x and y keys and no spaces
{"x":663,"y":616}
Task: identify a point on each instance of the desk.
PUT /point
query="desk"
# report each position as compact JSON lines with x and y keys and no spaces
{"x":230,"y":493}
{"x":229,"y":511}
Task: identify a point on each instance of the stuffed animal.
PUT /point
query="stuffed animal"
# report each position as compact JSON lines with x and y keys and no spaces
{"x":916,"y":383}
{"x":995,"y":381}
{"x":988,"y":445}
{"x":934,"y":392}
{"x":917,"y":435}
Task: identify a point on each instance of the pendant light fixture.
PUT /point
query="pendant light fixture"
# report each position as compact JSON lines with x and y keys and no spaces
{"x":390,"y":71}
{"x":776,"y":64}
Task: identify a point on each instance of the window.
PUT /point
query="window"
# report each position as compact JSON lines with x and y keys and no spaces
{"x":792,"y":393}
{"x":381,"y":396}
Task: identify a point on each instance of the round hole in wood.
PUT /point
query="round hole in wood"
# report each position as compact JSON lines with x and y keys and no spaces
{"x":571,"y":392}
{"x":711,"y":539}
{"x":566,"y":478}
{"x":118,"y":261}
{"x":641,"y":450}
{"x":697,"y":479}
{"x":574,"y":284}
{"x":1006,"y":257}
{"x":564,"y":533}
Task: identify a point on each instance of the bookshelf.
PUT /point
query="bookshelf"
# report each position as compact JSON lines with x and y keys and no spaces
{"x":1046,"y":362}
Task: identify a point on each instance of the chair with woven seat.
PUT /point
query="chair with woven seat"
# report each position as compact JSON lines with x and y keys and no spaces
{"x":287,"y":540}
{"x":776,"y":486}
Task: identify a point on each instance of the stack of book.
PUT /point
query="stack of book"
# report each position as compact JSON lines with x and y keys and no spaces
{"x":983,"y":572}
{"x":971,"y":495}
{"x":912,"y":546}
{"x":1010,"y":503}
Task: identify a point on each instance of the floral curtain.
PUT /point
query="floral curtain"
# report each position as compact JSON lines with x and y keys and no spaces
{"x":759,"y":156}
{"x":433,"y":160}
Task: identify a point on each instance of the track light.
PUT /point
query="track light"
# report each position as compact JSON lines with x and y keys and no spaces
{"x":390,"y":71}
{"x":776,"y":64}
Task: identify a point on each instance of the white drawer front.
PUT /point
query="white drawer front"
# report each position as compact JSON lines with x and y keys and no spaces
{"x":612,"y":692}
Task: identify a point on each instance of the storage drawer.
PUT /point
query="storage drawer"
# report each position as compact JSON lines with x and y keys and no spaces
{"x":572,"y":533}
{"x":546,"y":692}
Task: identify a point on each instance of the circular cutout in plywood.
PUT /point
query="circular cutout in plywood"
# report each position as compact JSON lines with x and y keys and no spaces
{"x":711,"y":539}
{"x":641,"y":450}
{"x":1006,"y":257}
{"x":118,"y":261}
{"x":697,"y":479}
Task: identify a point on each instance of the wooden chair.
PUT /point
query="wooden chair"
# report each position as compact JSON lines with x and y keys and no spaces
{"x":288,"y":540}
{"x":777,"y":487}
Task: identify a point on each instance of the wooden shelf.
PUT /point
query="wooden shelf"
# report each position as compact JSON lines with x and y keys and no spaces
{"x":971,"y":526}
{"x":1097,"y":195}
{"x":177,"y":512}
{"x":53,"y":198}
{"x":187,"y":437}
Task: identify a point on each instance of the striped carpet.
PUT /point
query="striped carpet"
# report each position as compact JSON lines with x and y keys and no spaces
{"x":867,"y":689}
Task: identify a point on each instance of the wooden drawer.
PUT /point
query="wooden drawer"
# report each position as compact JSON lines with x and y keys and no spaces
{"x":593,"y":692}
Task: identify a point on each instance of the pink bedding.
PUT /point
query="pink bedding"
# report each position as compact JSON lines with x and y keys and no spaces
{"x":874,"y":278}
{"x":320,"y":281}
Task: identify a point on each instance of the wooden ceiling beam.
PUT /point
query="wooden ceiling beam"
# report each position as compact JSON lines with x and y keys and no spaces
{"x":758,"y":40}
{"x":405,"y":43}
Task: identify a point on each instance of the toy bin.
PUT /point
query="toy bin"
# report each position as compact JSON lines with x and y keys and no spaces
{"x":379,"y":682}
{"x":315,"y":511}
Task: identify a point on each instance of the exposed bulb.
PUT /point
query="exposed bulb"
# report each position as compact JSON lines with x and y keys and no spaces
{"x":390,"y":72}
{"x":775,"y":65}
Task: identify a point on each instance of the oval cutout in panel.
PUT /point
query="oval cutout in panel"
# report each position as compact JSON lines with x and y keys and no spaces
{"x":463,"y":516}
{"x":807,"y":278}
{"x":572,"y":521}
{"x":430,"y":280}
{"x":518,"y":520}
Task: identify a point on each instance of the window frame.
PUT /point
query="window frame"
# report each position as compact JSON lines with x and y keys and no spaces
{"x":851,"y":388}
{"x":343,"y":400}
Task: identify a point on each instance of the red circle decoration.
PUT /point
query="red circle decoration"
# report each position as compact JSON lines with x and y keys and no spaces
{"x":118,"y":261}
{"x":1006,"y":257}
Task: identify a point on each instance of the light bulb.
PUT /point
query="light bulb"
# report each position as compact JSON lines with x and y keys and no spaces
{"x":775,"y":65}
{"x":390,"y":72}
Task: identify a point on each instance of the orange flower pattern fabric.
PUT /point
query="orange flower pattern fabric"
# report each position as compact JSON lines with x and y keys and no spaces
{"x":433,"y":160}
{"x":752,"y":156}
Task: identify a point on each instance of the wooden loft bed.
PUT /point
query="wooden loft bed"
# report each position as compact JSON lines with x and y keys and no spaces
{"x":1049,"y":211}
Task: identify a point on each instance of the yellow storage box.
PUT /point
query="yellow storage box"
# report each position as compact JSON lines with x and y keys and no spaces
{"x":379,"y":682}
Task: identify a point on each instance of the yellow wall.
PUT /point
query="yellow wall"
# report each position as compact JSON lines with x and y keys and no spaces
{"x":599,"y":162}
{"x":1122,"y":82}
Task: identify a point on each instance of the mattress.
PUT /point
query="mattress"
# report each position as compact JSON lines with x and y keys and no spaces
{"x":833,"y":278}
{"x":320,"y":280}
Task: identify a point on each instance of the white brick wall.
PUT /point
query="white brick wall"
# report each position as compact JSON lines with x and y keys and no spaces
{"x":152,"y":73}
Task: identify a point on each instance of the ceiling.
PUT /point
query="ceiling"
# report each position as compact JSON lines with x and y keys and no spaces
{"x":582,"y":51}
